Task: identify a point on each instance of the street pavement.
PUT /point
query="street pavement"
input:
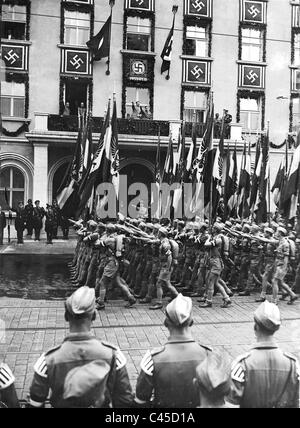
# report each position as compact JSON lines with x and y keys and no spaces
{"x":30,"y":327}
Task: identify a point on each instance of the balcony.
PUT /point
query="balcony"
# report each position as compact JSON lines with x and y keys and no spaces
{"x":125,"y":126}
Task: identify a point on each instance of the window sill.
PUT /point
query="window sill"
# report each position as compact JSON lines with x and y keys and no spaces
{"x":16,"y":42}
{"x":197,"y":58}
{"x":239,"y":61}
{"x":81,"y":47}
{"x":15,"y":119}
{"x":126,"y":52}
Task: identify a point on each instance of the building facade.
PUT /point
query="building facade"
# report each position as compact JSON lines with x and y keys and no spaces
{"x":246,"y":52}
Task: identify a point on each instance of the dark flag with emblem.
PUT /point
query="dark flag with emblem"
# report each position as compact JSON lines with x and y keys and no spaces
{"x":93,"y":177}
{"x":166,"y":54}
{"x":99,"y":45}
{"x":262,"y":194}
{"x":245,"y":185}
{"x":279,"y":182}
{"x":256,"y":176}
{"x":292,"y":186}
{"x":156,"y":197}
{"x":230,"y":184}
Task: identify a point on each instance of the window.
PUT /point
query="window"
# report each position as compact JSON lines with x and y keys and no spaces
{"x":138,"y":34}
{"x":252,"y":42}
{"x":11,"y":179}
{"x":195,"y":105}
{"x":76,"y":93}
{"x":12,"y":99}
{"x":296,"y":114}
{"x":137,"y":103}
{"x":77,"y":28}
{"x":297,"y":49}
{"x":196,"y":41}
{"x":250,"y":114}
{"x":13,"y":22}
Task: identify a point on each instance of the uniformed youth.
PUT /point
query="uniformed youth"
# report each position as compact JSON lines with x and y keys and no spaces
{"x":8,"y":395}
{"x":168,"y":372}
{"x":82,"y":359}
{"x":265,"y":377}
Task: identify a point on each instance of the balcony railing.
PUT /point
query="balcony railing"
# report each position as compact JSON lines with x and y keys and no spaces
{"x":125,"y":126}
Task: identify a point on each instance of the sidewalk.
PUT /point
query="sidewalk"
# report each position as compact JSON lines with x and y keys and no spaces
{"x":59,"y":246}
{"x":32,"y":327}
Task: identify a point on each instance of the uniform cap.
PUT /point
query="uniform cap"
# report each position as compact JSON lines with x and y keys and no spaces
{"x":219,"y":226}
{"x":255,"y":228}
{"x":85,"y":385}
{"x":179,"y":310}
{"x":268,"y":315}
{"x":228,"y":223}
{"x":156,"y":226}
{"x":213,"y":374}
{"x":163,"y":231}
{"x":282,"y":230}
{"x":142,"y":225}
{"x":247,"y":226}
{"x":92,"y":223}
{"x":269,"y":230}
{"x":149,"y":226}
{"x":181,"y":223}
{"x":82,"y":302}
{"x":238,"y":227}
{"x":110,"y":226}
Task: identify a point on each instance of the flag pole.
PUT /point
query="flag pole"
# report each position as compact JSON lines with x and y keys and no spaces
{"x":174,"y":10}
{"x":111,"y":4}
{"x":269,"y":178}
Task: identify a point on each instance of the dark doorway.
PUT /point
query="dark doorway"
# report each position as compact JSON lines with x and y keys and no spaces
{"x":76,"y":93}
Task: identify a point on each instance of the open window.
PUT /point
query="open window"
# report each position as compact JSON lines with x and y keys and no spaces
{"x":195,"y":106}
{"x":76,"y":94}
{"x":13,"y":22}
{"x":138,"y":103}
{"x":138,"y":34}
{"x":196,"y":41}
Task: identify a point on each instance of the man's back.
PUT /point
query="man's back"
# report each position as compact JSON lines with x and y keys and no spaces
{"x":78,"y":350}
{"x":265,"y":378}
{"x":170,"y":371}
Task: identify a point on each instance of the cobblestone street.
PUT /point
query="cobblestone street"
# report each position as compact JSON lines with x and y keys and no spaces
{"x":32,"y":327}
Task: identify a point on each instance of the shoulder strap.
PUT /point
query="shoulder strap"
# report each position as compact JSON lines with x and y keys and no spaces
{"x":276,"y":405}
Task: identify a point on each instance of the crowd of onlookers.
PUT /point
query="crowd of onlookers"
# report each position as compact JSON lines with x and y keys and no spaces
{"x":32,"y":219}
{"x":86,"y":372}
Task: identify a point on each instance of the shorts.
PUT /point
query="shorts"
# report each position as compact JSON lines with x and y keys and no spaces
{"x":216,"y":266}
{"x":280,"y":273}
{"x":111,"y":268}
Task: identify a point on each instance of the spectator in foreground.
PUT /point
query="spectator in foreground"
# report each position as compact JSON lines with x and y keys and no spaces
{"x":2,"y":224}
{"x":265,"y":377}
{"x":8,"y":395}
{"x":168,"y":372}
{"x":213,"y":381}
{"x":83,"y":371}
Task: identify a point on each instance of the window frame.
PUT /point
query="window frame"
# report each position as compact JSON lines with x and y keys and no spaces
{"x":11,"y":189}
{"x":13,"y":97}
{"x":128,"y":105}
{"x":149,"y":33}
{"x":25,"y":22}
{"x":196,"y":110}
{"x":76,"y":27}
{"x":249,"y":44}
{"x":250,"y":114}
{"x":130,"y":13}
{"x":205,"y":39}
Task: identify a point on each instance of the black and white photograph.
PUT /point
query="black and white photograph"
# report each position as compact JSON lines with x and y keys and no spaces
{"x":150,"y":207}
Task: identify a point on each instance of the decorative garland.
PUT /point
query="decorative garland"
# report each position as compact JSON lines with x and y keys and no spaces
{"x":23,"y":128}
{"x":75,"y":7}
{"x":291,"y":111}
{"x":191,"y":89}
{"x":251,"y":94}
{"x":143,"y":14}
{"x":18,"y":2}
{"x":254,"y":26}
{"x":295,"y":31}
{"x":20,"y":78}
{"x":64,"y":79}
{"x":274,"y":146}
{"x":129,"y":83}
{"x":197,"y":21}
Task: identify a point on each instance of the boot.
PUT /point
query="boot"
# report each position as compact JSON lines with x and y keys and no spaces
{"x":130,"y":303}
{"x":226,"y":303}
{"x":156,"y":307}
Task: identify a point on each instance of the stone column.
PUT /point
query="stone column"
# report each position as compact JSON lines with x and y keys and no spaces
{"x":40,"y":179}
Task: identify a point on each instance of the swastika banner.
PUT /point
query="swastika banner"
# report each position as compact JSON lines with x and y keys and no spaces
{"x":140,"y":4}
{"x":75,"y":62}
{"x":15,"y":57}
{"x":138,"y":69}
{"x":252,"y":76}
{"x":198,"y":7}
{"x":197,"y":72}
{"x":253,"y":11}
